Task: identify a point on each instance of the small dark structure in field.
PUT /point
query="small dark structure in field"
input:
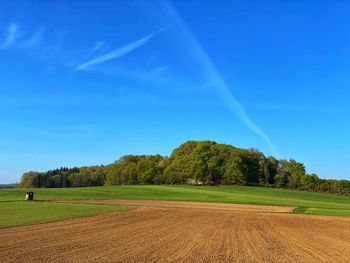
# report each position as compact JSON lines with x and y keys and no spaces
{"x":29,"y":196}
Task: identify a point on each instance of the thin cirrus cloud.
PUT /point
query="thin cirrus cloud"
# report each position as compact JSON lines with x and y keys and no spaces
{"x":98,"y":45}
{"x":15,"y":37}
{"x":296,"y":108}
{"x":161,"y":69}
{"x":33,"y":40}
{"x":120,"y":51}
{"x":12,"y":34}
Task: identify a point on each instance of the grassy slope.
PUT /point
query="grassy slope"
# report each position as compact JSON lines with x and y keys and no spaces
{"x":309,"y":203}
{"x":20,"y":213}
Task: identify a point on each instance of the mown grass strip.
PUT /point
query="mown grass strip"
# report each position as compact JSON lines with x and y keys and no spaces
{"x":26,"y":213}
{"x":300,"y":210}
{"x":321,"y":211}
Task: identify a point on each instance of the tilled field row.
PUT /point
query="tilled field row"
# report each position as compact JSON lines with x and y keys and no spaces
{"x":153,"y":233}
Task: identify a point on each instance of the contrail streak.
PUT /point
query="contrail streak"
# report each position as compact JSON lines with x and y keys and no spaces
{"x":215,"y":78}
{"x":120,"y":51}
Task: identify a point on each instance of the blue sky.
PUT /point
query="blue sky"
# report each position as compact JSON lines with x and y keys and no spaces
{"x":84,"y":82}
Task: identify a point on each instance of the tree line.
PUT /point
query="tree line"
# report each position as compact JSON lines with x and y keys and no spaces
{"x":194,"y":162}
{"x":8,"y":186}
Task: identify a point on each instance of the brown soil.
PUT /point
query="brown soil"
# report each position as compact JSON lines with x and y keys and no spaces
{"x":180,"y":232}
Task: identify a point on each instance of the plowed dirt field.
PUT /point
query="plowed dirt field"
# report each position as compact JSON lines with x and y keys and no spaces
{"x":159,"y":231}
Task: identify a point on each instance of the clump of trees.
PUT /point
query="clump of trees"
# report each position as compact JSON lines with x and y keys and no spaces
{"x":195,"y":162}
{"x":53,"y":178}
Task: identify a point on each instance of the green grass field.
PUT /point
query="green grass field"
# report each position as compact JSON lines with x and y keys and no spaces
{"x":19,"y":213}
{"x":25,"y":213}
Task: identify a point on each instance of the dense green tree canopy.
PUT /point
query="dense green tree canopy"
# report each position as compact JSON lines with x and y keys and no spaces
{"x":194,"y":162}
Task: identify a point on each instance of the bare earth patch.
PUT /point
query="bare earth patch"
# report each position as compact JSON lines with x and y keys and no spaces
{"x":182,"y":232}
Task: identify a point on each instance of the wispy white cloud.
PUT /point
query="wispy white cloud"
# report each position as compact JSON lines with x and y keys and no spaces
{"x":15,"y":37}
{"x":120,"y":51}
{"x":33,"y":40}
{"x":98,"y":45}
{"x":161,"y":69}
{"x":296,"y":108}
{"x":215,"y":79}
{"x":12,"y":34}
